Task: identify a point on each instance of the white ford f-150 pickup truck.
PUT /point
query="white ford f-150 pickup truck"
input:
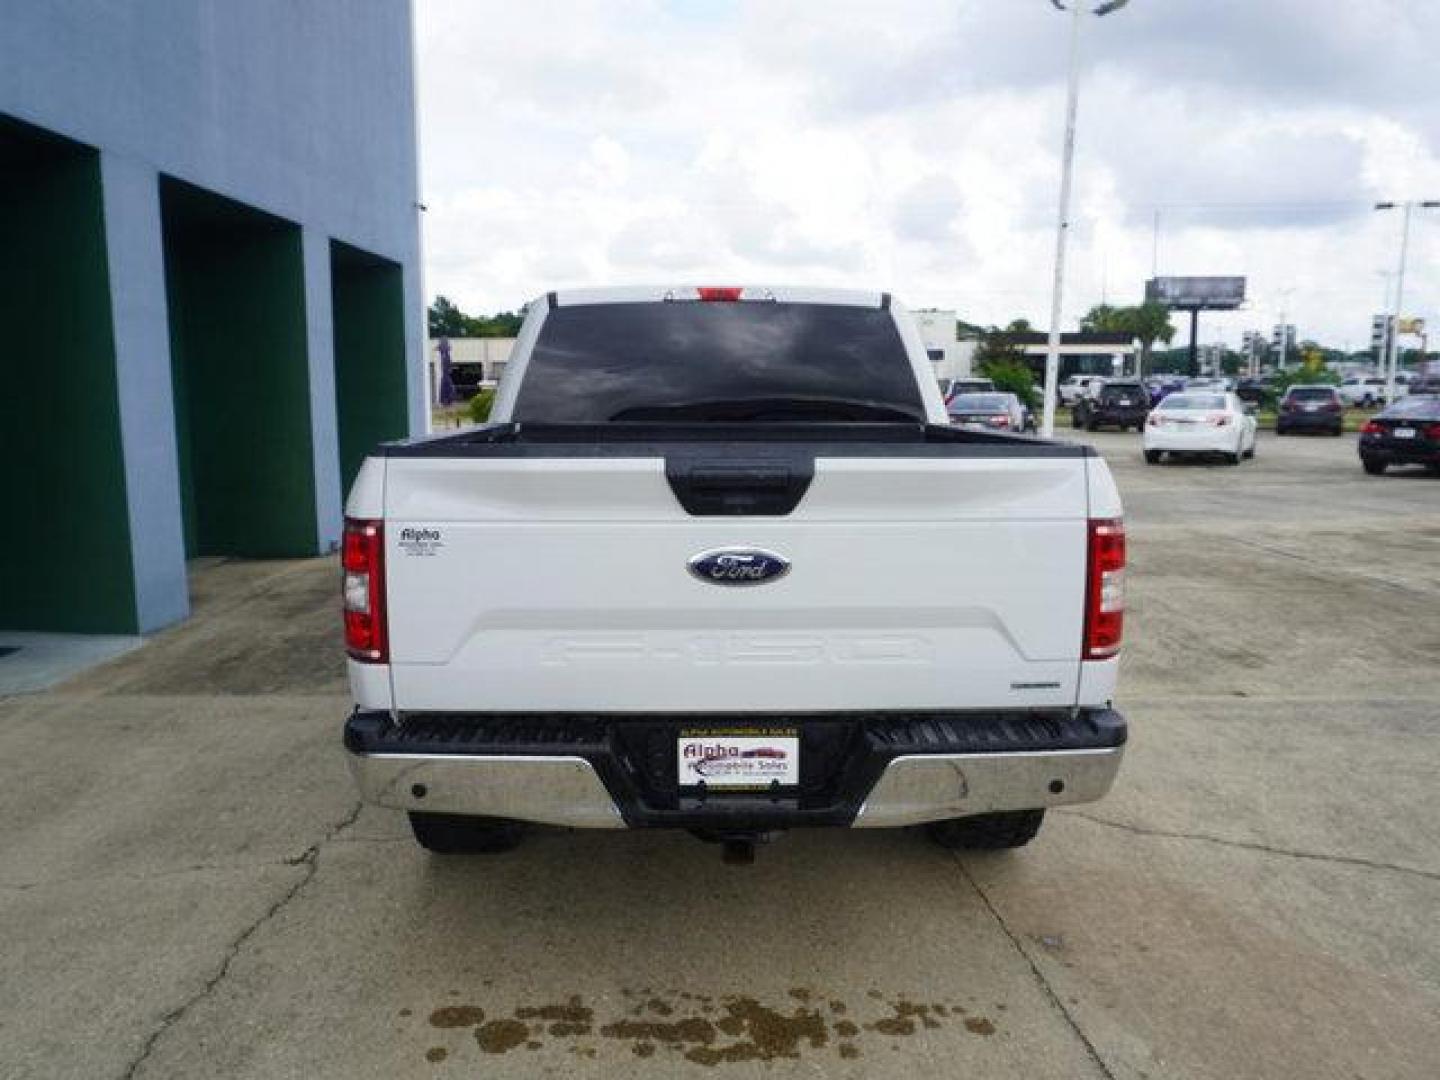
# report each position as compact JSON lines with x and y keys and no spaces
{"x":718,"y":562}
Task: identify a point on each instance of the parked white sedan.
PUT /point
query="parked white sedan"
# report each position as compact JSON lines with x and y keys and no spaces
{"x":1200,"y":422}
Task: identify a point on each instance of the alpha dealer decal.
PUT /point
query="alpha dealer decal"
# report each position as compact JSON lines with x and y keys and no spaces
{"x":420,"y":540}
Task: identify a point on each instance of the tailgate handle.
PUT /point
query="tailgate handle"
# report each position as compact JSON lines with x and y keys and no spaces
{"x":763,"y":488}
{"x":730,"y":478}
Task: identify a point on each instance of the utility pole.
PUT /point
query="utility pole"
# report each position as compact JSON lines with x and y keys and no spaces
{"x":1392,"y":347}
{"x":1062,"y":228}
{"x":1155,"y":247}
{"x":1077,"y":13}
{"x":1392,"y":350}
{"x":1062,"y":231}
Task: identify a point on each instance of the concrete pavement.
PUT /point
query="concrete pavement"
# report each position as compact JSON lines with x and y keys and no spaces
{"x":190,"y":889}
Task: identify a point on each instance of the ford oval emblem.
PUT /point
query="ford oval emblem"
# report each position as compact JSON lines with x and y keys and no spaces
{"x":739,"y":566}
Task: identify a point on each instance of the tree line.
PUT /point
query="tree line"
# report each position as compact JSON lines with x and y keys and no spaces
{"x":447,"y":320}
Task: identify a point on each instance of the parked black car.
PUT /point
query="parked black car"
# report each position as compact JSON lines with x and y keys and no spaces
{"x":1116,"y":404}
{"x":1310,"y":408}
{"x":1425,"y":384}
{"x":1253,"y":391}
{"x":1407,"y":433}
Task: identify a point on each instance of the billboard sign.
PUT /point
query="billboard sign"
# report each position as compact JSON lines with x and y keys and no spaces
{"x":1202,"y":293}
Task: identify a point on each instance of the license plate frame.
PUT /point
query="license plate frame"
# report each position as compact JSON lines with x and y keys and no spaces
{"x":738,"y":759}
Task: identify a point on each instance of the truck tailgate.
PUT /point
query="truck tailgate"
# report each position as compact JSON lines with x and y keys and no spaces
{"x":536,"y":583}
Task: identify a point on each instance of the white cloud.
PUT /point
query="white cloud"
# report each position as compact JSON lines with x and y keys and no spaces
{"x":914,"y":147}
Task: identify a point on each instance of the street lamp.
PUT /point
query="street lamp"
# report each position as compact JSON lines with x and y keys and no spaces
{"x":1062,"y":227}
{"x":1392,"y":346}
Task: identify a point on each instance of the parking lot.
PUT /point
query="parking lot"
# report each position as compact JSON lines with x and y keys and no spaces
{"x":189,"y":888}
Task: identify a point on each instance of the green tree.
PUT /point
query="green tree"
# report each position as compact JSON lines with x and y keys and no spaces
{"x":1151,"y":323}
{"x":1147,"y":323}
{"x":446,"y":320}
{"x":479,"y":407}
{"x":1000,"y":358}
{"x":501,"y":324}
{"x":1107,"y":319}
{"x":1311,"y":370}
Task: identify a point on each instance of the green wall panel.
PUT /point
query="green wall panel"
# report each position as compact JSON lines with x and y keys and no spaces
{"x":368,"y":302}
{"x":236,"y":291}
{"x":65,"y":557}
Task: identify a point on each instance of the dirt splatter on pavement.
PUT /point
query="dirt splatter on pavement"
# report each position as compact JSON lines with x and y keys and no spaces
{"x":706,"y":1029}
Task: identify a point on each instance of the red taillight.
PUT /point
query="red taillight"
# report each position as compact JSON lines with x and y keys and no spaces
{"x":363,"y":559}
{"x":1433,"y":433}
{"x":1372,"y":428}
{"x":1104,"y":590}
{"x":998,"y":421}
{"x":720,"y":292}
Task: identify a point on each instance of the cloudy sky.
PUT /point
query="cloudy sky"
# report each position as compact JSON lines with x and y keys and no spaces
{"x":914,"y":146}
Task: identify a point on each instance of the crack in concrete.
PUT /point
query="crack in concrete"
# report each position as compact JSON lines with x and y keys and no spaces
{"x":308,"y":862}
{"x":156,"y":875}
{"x":1249,"y":845}
{"x":1040,"y":979}
{"x":178,"y":871}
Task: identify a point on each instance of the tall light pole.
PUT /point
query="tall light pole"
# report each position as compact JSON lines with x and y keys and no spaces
{"x":1062,"y":229}
{"x":1284,"y":295}
{"x":1392,"y":346}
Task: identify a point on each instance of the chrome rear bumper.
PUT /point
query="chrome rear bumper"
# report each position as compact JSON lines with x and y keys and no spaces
{"x":920,"y":788}
{"x":567,"y":791}
{"x":547,"y":790}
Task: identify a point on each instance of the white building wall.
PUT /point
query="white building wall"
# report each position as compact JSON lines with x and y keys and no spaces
{"x":937,"y":330}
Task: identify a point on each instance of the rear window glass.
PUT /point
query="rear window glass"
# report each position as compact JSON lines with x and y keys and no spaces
{"x":1193,"y":401}
{"x":1115,"y":393}
{"x":979,"y":403}
{"x":699,"y":361}
{"x":1310,"y":393}
{"x":1423,"y":408}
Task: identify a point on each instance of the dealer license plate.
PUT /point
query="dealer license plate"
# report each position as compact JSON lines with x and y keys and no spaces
{"x":1404,"y":433}
{"x":747,"y":758}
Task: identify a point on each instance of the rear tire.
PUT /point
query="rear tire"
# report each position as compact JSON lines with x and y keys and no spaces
{"x":1232,"y":459}
{"x":987,"y":832}
{"x":1373,"y":466}
{"x":454,"y":834}
{"x":1152,"y":457}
